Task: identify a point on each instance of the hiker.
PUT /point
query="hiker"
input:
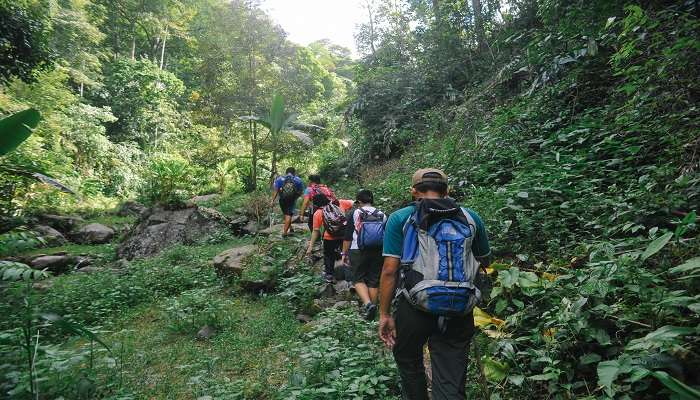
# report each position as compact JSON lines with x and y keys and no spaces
{"x":434,"y":287}
{"x":315,"y":187}
{"x":331,"y":217}
{"x":288,"y":188}
{"x":362,"y":249}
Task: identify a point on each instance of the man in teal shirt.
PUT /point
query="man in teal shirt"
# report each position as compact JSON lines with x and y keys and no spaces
{"x":407,"y":331}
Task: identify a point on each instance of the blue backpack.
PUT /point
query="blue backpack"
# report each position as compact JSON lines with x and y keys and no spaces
{"x":438,"y":269}
{"x":370,"y":234}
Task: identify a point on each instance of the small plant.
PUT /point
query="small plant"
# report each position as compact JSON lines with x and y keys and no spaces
{"x":17,"y":241}
{"x":193,"y":309}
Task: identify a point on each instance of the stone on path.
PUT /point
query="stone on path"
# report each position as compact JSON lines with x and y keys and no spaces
{"x":93,"y":234}
{"x":304,"y":318}
{"x":206,"y":332}
{"x":277,"y":229}
{"x":229,"y":263}
{"x":131,"y":208}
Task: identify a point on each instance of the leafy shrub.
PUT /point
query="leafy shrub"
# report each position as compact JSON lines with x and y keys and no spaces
{"x":169,"y":181}
{"x":193,"y":309}
{"x":17,"y":241}
{"x":341,"y":358}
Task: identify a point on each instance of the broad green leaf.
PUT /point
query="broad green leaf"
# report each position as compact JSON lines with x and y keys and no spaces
{"x":543,"y":377}
{"x":528,"y":279}
{"x":656,"y":246}
{"x":607,"y":372}
{"x":683,"y":391}
{"x":665,"y":333}
{"x":16,"y":128}
{"x":74,"y":327}
{"x":516,"y":380}
{"x":495,"y":371}
{"x":690,"y":265}
{"x":509,"y":278}
{"x":589,"y":358}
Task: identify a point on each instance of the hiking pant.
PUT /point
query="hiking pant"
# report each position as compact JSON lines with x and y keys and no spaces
{"x":448,"y":353}
{"x":331,"y":253}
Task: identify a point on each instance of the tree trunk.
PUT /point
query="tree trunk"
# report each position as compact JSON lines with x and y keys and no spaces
{"x":478,"y":24}
{"x":162,"y":52}
{"x":371,"y":27}
{"x":133,"y":47}
{"x":254,"y":155}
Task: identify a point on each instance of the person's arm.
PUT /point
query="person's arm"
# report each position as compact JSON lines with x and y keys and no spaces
{"x":387,"y":287}
{"x":275,"y":190}
{"x":347,"y":239}
{"x":314,"y":236}
{"x":304,"y":204}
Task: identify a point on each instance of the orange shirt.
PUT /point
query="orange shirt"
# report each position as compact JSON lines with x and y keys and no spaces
{"x":345,"y":205}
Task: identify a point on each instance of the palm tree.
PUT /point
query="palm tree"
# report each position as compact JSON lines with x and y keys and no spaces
{"x":280,"y":126}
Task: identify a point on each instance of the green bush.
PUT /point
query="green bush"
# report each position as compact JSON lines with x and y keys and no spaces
{"x":193,"y":309}
{"x":169,"y":181}
{"x":341,"y":358}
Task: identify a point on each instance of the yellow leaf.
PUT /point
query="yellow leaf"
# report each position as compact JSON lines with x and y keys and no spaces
{"x":482,"y":319}
{"x":549,"y":277}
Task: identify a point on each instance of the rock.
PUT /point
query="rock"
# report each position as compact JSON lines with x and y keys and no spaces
{"x":304,"y":318}
{"x":203,"y":198}
{"x":260,"y":282}
{"x":131,"y":208}
{"x":120,"y":264}
{"x":325,"y":291}
{"x":62,"y":223}
{"x":228,"y":263}
{"x":42,"y":286}
{"x":93,"y":234}
{"x":251,"y":228}
{"x":277,"y":229}
{"x":206,"y":332}
{"x":88,"y":270}
{"x":341,"y":304}
{"x":160,"y":228}
{"x":57,"y":264}
{"x":51,"y":236}
{"x":342,"y":289}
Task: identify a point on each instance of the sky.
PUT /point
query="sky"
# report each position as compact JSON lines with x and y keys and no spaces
{"x":308,"y":20}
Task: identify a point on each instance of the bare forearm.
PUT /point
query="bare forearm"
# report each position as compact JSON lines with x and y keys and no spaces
{"x":314,"y":238}
{"x":304,"y":204}
{"x":387,"y":284}
{"x":346,"y":246}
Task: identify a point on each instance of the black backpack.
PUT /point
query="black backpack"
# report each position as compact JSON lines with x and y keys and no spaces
{"x":289,"y":189}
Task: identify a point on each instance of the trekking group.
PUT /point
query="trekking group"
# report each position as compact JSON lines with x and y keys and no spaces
{"x":423,"y":261}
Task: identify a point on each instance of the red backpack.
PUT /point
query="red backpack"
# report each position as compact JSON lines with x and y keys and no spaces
{"x":324,"y":190}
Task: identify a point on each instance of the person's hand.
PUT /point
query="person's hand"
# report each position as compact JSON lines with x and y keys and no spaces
{"x":308,"y":252}
{"x":387,"y":330}
{"x":346,"y":260}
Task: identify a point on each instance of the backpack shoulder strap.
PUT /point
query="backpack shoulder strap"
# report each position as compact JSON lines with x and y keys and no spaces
{"x":470,"y":219}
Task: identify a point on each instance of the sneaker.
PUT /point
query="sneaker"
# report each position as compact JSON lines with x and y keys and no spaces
{"x":328,"y":278}
{"x":370,"y":311}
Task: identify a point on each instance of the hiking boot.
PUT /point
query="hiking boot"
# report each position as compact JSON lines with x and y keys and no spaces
{"x":370,"y":310}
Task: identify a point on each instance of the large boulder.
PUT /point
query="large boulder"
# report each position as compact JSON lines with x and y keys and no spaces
{"x":62,"y":223}
{"x":160,"y":228}
{"x":229,"y":263}
{"x":131,"y":208}
{"x":93,"y":234}
{"x":51,"y":236}
{"x":57,"y":264}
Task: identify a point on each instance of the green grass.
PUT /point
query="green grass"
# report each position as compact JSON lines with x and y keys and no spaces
{"x":243,"y":359}
{"x":102,"y":251}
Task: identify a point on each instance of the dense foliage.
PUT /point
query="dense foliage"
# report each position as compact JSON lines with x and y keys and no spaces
{"x":122,"y":83}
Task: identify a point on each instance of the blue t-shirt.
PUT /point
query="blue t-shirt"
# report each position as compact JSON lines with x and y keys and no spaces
{"x":298,"y":183}
{"x":393,"y":233}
